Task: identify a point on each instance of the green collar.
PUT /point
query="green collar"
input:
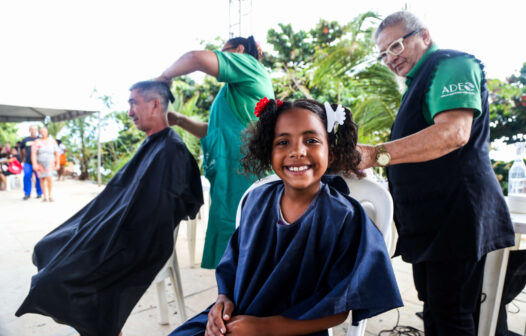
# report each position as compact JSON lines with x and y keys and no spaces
{"x":421,"y":61}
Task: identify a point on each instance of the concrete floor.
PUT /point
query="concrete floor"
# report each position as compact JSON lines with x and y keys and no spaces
{"x":23,"y":223}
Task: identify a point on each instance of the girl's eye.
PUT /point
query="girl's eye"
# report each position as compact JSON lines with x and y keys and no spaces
{"x":281,"y":142}
{"x":312,"y":141}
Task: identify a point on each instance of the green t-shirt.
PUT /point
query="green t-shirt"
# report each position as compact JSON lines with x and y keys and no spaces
{"x":248,"y":82}
{"x":456,"y":84}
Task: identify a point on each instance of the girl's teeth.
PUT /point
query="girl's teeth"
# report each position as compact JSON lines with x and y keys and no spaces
{"x":302,"y":168}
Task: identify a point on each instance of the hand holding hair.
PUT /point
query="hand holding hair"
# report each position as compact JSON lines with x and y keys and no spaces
{"x":165,"y":79}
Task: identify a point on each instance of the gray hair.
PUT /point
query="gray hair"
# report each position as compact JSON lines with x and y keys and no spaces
{"x":152,"y":89}
{"x":407,"y":19}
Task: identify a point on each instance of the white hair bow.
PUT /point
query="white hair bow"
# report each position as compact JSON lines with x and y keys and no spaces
{"x":333,"y":116}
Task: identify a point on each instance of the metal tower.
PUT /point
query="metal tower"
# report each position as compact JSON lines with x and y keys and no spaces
{"x":239,"y":18}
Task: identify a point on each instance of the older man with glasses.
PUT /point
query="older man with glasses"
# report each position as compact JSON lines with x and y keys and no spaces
{"x":449,"y":208}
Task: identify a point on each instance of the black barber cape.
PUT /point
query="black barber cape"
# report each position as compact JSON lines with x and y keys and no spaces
{"x":332,"y":260}
{"x":94,"y":268}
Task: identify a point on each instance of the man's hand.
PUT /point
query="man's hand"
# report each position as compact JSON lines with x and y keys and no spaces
{"x":247,"y":325}
{"x":220,"y":312}
{"x":368,"y":154}
{"x":174,"y":118}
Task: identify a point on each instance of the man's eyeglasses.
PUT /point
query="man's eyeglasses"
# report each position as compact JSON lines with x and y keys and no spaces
{"x":396,"y":47}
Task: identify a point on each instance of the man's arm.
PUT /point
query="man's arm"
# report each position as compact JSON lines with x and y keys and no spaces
{"x":451,"y":131}
{"x":280,"y":325}
{"x":199,"y":60}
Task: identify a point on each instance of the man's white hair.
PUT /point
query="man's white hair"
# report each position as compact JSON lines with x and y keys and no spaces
{"x":407,"y":19}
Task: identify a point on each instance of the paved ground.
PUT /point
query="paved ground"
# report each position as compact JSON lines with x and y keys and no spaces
{"x":23,"y":223}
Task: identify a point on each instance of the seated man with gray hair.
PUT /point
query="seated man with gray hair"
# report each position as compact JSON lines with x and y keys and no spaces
{"x":95,"y":267}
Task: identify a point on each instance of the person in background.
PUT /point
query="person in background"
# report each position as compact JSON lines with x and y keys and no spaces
{"x":62,"y":161}
{"x":45,"y":160}
{"x":17,"y":145}
{"x":6,"y":150}
{"x":246,"y":81}
{"x":25,"y":153}
{"x":4,"y":167}
{"x":448,"y":206}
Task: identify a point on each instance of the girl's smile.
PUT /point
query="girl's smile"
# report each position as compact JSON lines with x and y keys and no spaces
{"x":297,"y":169}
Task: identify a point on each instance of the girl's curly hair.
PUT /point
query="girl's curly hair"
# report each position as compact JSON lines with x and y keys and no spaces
{"x":259,"y":139}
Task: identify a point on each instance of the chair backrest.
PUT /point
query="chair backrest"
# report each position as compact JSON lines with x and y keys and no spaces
{"x":377,"y":202}
{"x":256,"y":184}
{"x":373,"y":197}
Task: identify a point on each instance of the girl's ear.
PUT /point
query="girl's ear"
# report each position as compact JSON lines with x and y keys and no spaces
{"x":240,"y":49}
{"x":331,"y":159}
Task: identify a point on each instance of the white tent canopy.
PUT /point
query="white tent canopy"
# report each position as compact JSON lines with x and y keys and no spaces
{"x":14,"y":113}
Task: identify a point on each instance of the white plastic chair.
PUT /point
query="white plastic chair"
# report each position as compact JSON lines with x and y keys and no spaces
{"x":14,"y":181}
{"x":201,"y":216}
{"x":492,"y":286}
{"x":170,"y":270}
{"x":378,"y":205}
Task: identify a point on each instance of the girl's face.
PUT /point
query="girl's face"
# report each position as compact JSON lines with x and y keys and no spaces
{"x":300,"y":150}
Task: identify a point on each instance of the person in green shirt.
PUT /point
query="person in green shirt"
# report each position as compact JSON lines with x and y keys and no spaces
{"x":246,"y":82}
{"x":449,"y":209}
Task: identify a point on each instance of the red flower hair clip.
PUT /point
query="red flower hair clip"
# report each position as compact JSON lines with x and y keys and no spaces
{"x":262,"y":103}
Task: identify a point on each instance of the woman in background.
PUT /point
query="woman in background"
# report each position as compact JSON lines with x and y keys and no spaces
{"x":45,"y":159}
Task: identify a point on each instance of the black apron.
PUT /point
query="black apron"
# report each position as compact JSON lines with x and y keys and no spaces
{"x":451,"y":207}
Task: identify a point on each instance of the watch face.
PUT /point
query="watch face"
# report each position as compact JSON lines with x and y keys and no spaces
{"x":383,"y":159}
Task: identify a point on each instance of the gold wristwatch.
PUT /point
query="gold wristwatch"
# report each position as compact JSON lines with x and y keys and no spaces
{"x":382,"y":156}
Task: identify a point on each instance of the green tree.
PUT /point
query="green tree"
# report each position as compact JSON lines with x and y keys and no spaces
{"x":293,"y":57}
{"x":189,"y":108}
{"x":8,"y":133}
{"x":335,"y":62}
{"x":82,"y":144}
{"x":116,"y":153}
{"x":508,"y":108}
{"x":348,"y":73}
{"x":55,"y":127}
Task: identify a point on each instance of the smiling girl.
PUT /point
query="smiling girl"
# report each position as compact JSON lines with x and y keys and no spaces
{"x":305,"y":253}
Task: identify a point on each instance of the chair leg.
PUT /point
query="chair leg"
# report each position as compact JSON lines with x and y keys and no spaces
{"x":191,"y":233}
{"x":175,"y":277}
{"x":162,"y":303}
{"x":492,"y":285}
{"x":9,"y":182}
{"x":358,"y":330}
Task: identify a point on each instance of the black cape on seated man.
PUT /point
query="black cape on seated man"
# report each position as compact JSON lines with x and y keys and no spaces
{"x":94,"y":268}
